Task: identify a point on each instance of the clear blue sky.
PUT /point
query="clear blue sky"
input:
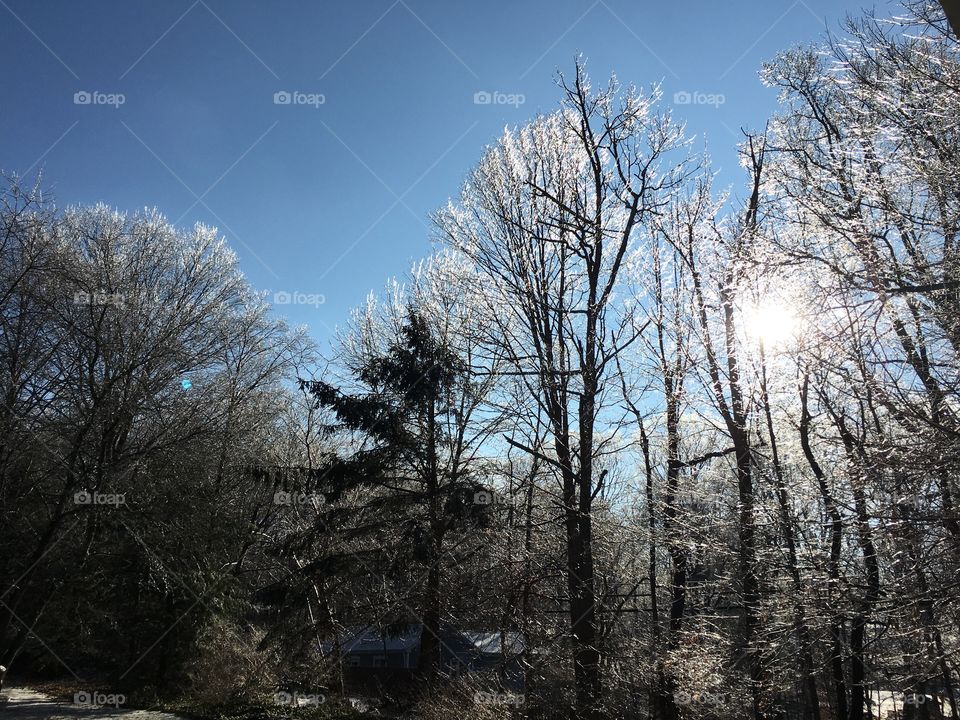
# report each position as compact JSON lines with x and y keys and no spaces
{"x":331,"y":199}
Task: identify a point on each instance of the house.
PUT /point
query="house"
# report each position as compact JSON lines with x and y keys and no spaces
{"x":396,"y":650}
{"x":370,"y":647}
{"x":893,"y":704}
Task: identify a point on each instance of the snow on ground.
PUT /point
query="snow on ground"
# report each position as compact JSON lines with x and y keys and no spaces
{"x":26,"y":704}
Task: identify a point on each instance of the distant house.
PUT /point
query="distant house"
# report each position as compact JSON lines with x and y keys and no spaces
{"x":370,"y":648}
{"x":893,"y":705}
{"x":366,"y":650}
{"x":885,"y":704}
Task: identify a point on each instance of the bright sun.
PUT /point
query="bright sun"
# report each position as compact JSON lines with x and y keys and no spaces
{"x":771,"y":324}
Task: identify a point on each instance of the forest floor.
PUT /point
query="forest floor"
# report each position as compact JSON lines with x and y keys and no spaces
{"x":18,"y":703}
{"x":51,"y":700}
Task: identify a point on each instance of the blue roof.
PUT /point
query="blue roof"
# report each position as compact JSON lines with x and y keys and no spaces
{"x":373,"y":640}
{"x":494,"y":643}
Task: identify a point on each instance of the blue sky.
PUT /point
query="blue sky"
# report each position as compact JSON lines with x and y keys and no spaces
{"x":332,"y":198}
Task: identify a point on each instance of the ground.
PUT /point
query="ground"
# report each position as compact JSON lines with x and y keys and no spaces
{"x":24,"y":704}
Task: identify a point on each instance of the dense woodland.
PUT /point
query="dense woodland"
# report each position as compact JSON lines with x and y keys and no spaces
{"x":699,"y":447}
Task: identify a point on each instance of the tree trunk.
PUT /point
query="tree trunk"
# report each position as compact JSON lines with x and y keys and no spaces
{"x":811,"y":710}
{"x":837,"y":674}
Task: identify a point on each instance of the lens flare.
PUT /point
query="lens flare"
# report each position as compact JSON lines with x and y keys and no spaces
{"x":772,"y":324}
